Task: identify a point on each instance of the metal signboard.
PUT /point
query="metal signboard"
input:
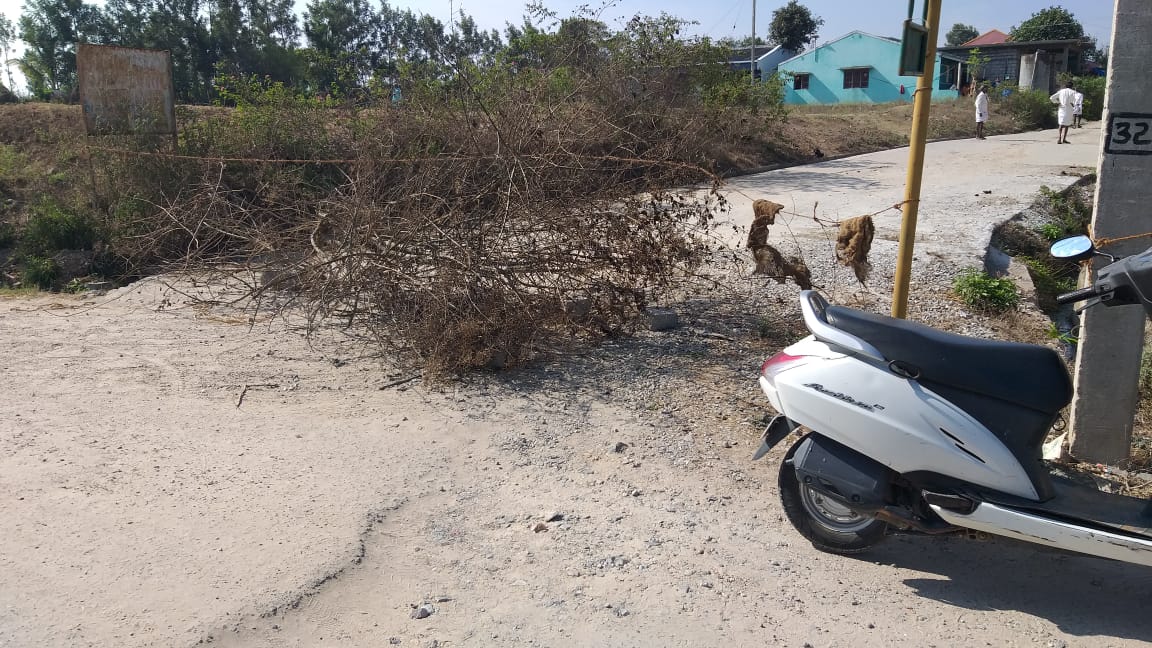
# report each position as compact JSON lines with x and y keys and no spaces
{"x":913,"y":49}
{"x":126,"y":90}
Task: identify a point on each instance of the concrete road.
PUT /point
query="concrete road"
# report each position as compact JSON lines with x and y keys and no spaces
{"x":969,"y":187}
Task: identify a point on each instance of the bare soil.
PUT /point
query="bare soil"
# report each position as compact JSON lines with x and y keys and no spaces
{"x":599,"y":496}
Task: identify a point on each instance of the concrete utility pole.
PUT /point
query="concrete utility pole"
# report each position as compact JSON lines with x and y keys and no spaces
{"x":916,"y":142}
{"x":1112,"y":339}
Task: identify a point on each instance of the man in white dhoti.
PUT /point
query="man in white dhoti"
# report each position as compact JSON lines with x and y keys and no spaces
{"x":1065,"y":98}
{"x":1077,"y":109}
{"x":981,"y":111}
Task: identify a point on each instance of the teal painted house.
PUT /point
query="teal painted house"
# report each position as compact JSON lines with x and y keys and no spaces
{"x":855,"y":68}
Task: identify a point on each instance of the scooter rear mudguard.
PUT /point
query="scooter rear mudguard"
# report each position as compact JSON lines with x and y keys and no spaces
{"x":891,"y":419}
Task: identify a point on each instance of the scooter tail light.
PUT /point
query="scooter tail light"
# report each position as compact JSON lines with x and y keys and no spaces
{"x":779,"y":363}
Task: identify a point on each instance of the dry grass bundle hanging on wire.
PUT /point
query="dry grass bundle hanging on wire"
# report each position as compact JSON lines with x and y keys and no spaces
{"x":769,"y":261}
{"x":764,"y":214}
{"x":853,"y":244}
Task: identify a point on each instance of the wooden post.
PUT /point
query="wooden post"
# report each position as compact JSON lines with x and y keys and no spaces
{"x":916,"y":143}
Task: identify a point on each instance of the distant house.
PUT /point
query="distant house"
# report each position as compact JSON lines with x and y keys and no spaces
{"x":1031,"y":64}
{"x":855,"y":68}
{"x":765,"y":58}
{"x":991,"y":37}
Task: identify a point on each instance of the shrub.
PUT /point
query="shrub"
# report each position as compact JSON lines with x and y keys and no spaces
{"x":40,"y":271}
{"x":1092,"y":87}
{"x":734,"y":90}
{"x":980,"y":291}
{"x":50,"y":228}
{"x":1030,"y":109}
{"x":7,"y":235}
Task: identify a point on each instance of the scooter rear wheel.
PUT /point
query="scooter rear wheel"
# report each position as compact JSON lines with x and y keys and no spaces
{"x":825,"y":522}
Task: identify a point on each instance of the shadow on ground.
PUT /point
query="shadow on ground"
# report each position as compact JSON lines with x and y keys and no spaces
{"x":1082,"y":595}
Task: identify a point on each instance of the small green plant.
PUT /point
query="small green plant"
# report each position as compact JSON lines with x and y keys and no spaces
{"x":75,"y":286}
{"x":1051,"y":231}
{"x":1068,"y":212}
{"x":1049,"y":278}
{"x":40,"y":271}
{"x":978,"y":290}
{"x":765,"y":327}
{"x":1054,"y":333}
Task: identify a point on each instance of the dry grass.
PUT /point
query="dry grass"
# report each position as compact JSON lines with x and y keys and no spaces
{"x":745,"y":142}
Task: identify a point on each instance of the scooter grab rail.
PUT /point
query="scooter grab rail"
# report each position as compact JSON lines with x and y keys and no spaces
{"x":813,"y":306}
{"x":1077,"y":295}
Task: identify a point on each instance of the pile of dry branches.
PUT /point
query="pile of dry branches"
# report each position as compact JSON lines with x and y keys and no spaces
{"x":460,"y":233}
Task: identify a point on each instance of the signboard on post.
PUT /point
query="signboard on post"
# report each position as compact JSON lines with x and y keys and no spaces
{"x":124,"y":90}
{"x":913,"y":49}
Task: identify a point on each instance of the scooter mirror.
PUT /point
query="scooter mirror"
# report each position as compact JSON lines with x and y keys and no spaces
{"x":1076,"y":248}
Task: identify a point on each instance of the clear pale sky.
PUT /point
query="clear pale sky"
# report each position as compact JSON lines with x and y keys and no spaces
{"x":721,"y":18}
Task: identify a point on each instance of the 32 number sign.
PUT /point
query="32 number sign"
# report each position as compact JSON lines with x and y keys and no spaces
{"x":1129,"y":134}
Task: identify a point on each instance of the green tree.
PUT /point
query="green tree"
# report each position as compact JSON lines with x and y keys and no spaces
{"x":256,"y":37}
{"x":7,"y":40}
{"x":793,"y":26}
{"x":344,"y":42}
{"x":174,"y":25}
{"x":1053,"y":23}
{"x":579,"y":42}
{"x":976,"y":63}
{"x":50,"y":30}
{"x":960,"y":34}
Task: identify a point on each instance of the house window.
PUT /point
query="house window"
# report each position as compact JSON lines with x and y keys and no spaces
{"x":800,"y":81}
{"x":856,"y":78}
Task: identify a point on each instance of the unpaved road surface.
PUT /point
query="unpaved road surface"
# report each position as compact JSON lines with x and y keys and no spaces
{"x":176,"y":475}
{"x":969,"y":187}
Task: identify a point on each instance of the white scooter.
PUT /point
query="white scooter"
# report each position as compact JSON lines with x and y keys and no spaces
{"x":924,"y":430}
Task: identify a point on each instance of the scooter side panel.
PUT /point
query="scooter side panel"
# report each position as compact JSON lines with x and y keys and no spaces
{"x":897,"y":422}
{"x":1030,"y":527}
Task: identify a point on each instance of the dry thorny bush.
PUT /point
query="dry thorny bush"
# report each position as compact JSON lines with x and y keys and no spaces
{"x":461,"y":232}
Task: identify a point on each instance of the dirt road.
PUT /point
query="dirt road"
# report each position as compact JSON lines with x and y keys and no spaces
{"x":142,"y":506}
{"x":969,"y":187}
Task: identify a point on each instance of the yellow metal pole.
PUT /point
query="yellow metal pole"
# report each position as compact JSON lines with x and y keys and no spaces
{"x":920,"y":107}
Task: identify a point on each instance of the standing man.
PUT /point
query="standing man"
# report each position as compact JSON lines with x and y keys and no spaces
{"x":1077,"y":109}
{"x":1064,"y":97}
{"x":981,"y":111}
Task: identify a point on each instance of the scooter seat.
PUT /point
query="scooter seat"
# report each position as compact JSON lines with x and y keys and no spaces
{"x":1028,"y":375}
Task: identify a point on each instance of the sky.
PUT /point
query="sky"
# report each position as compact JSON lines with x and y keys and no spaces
{"x":733,"y":18}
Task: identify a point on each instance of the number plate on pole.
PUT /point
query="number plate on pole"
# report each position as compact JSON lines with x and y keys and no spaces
{"x":1129,"y":134}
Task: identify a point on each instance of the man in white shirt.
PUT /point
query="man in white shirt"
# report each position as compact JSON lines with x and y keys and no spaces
{"x":1077,"y":109}
{"x":981,"y":111}
{"x":1065,"y":98}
